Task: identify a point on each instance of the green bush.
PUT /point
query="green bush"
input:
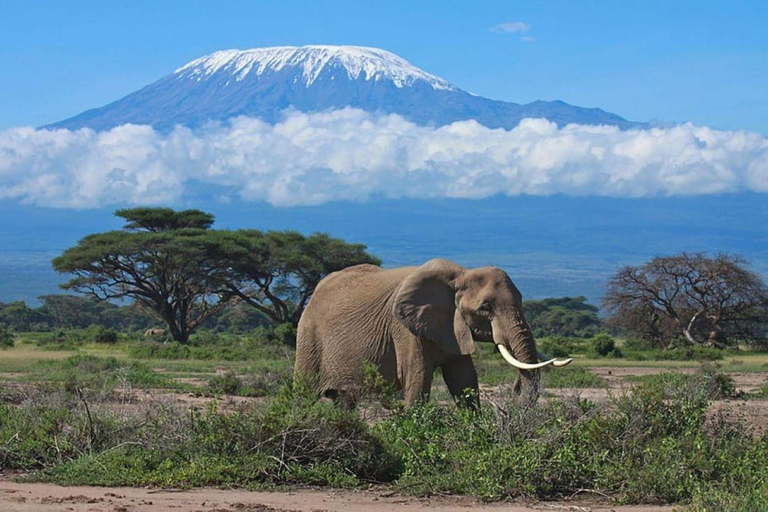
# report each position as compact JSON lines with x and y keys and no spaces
{"x":208,"y":345}
{"x":555,"y":346}
{"x":654,"y":443}
{"x":64,"y":339}
{"x":293,"y":440}
{"x":603,"y":345}
{"x":706,"y":380}
{"x":285,"y":334}
{"x":227,"y":384}
{"x":694,"y":353}
{"x":6,"y":337}
{"x":104,"y":335}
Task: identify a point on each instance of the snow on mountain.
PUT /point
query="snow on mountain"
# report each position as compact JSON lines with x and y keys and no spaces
{"x":264,"y":82}
{"x":371,"y":63}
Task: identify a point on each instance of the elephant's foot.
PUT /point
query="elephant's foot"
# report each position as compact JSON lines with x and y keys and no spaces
{"x":342,"y":398}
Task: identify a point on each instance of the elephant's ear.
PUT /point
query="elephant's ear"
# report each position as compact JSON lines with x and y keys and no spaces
{"x":425,"y":304}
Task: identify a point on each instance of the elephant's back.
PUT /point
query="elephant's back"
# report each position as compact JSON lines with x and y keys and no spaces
{"x":347,"y":282}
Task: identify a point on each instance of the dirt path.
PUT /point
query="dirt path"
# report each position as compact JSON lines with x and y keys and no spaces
{"x":15,"y":497}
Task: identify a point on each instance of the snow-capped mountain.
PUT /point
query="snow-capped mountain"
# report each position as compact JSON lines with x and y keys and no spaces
{"x":368,"y":63}
{"x":263,"y":82}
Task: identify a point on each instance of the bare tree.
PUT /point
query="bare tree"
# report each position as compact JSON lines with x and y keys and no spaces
{"x":712,"y":301}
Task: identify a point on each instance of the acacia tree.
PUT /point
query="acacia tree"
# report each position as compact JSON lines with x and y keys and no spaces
{"x":276,"y":272}
{"x":162,"y":259}
{"x":713,"y":301}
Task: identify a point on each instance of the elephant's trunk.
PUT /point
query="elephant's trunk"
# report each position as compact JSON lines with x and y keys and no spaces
{"x":516,"y":344}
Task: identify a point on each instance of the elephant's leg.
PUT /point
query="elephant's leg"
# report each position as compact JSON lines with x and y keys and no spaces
{"x":416,"y":387}
{"x":343,"y":399}
{"x":461,"y":378}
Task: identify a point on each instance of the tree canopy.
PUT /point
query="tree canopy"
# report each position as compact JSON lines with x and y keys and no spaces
{"x":702,"y":300}
{"x":276,"y":272}
{"x":564,"y":316}
{"x":183,"y":272}
{"x":157,"y":260}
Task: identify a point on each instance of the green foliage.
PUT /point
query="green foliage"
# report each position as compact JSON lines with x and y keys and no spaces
{"x":69,"y":311}
{"x":276,"y":272}
{"x":170,"y":272}
{"x":707,"y":380}
{"x":566,"y":316}
{"x":603,"y":345}
{"x":64,"y":339}
{"x":72,"y":339}
{"x":62,"y":312}
{"x":692,"y":353}
{"x":104,"y":335}
{"x":293,"y":440}
{"x":18,"y":317}
{"x":261,"y":343}
{"x":652,"y":444}
{"x":225,"y":384}
{"x":6,"y":337}
{"x":556,"y":346}
{"x":174,"y":265}
{"x":285,"y":333}
{"x":723,"y":499}
{"x":164,"y":219}
{"x":375,"y":387}
{"x":99,"y":376}
{"x":238,"y":318}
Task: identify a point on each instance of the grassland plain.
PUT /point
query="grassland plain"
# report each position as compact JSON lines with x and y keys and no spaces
{"x":608,"y":429}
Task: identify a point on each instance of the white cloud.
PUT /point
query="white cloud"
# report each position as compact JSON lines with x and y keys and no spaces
{"x":350,"y":154}
{"x":512,"y":27}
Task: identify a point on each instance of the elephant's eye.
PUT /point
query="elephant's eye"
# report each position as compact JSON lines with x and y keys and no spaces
{"x":485,"y":307}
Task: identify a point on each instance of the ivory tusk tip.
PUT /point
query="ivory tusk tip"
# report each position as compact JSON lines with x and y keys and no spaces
{"x":564,"y":362}
{"x":519,"y":364}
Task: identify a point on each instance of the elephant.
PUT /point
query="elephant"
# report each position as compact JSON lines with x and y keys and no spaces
{"x":154,"y":332}
{"x":408,"y":322}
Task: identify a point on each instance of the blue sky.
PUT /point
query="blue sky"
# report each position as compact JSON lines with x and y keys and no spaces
{"x":704,"y":62}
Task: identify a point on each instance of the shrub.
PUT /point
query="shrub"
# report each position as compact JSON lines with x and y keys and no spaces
{"x":212,"y":346}
{"x":603,"y":345}
{"x":6,"y":337}
{"x":293,"y":440}
{"x":285,"y":333}
{"x":104,"y":335}
{"x":555,"y":346}
{"x":226,"y":384}
{"x":693,"y":353}
{"x":64,"y":340}
{"x":653,"y":443}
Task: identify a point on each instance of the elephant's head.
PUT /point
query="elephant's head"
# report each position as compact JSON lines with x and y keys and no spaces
{"x":454,"y":306}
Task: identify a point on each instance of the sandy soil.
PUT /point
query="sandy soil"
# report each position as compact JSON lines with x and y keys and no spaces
{"x":16,"y":497}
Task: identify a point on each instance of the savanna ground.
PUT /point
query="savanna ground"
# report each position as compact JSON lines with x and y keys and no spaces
{"x":215,"y":426}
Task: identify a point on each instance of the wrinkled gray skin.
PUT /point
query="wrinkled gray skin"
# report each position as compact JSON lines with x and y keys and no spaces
{"x":408,"y":322}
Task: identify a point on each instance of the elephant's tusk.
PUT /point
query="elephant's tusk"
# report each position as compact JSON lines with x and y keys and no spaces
{"x":555,"y":363}
{"x":508,"y":357}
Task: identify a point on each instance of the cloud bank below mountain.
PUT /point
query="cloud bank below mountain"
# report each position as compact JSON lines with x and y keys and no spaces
{"x":349,"y":154}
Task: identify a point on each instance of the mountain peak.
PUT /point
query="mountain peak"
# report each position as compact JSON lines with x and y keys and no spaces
{"x":359,"y":62}
{"x":266,"y":82}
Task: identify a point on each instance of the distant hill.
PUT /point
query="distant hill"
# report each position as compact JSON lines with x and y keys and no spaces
{"x":263,"y":82}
